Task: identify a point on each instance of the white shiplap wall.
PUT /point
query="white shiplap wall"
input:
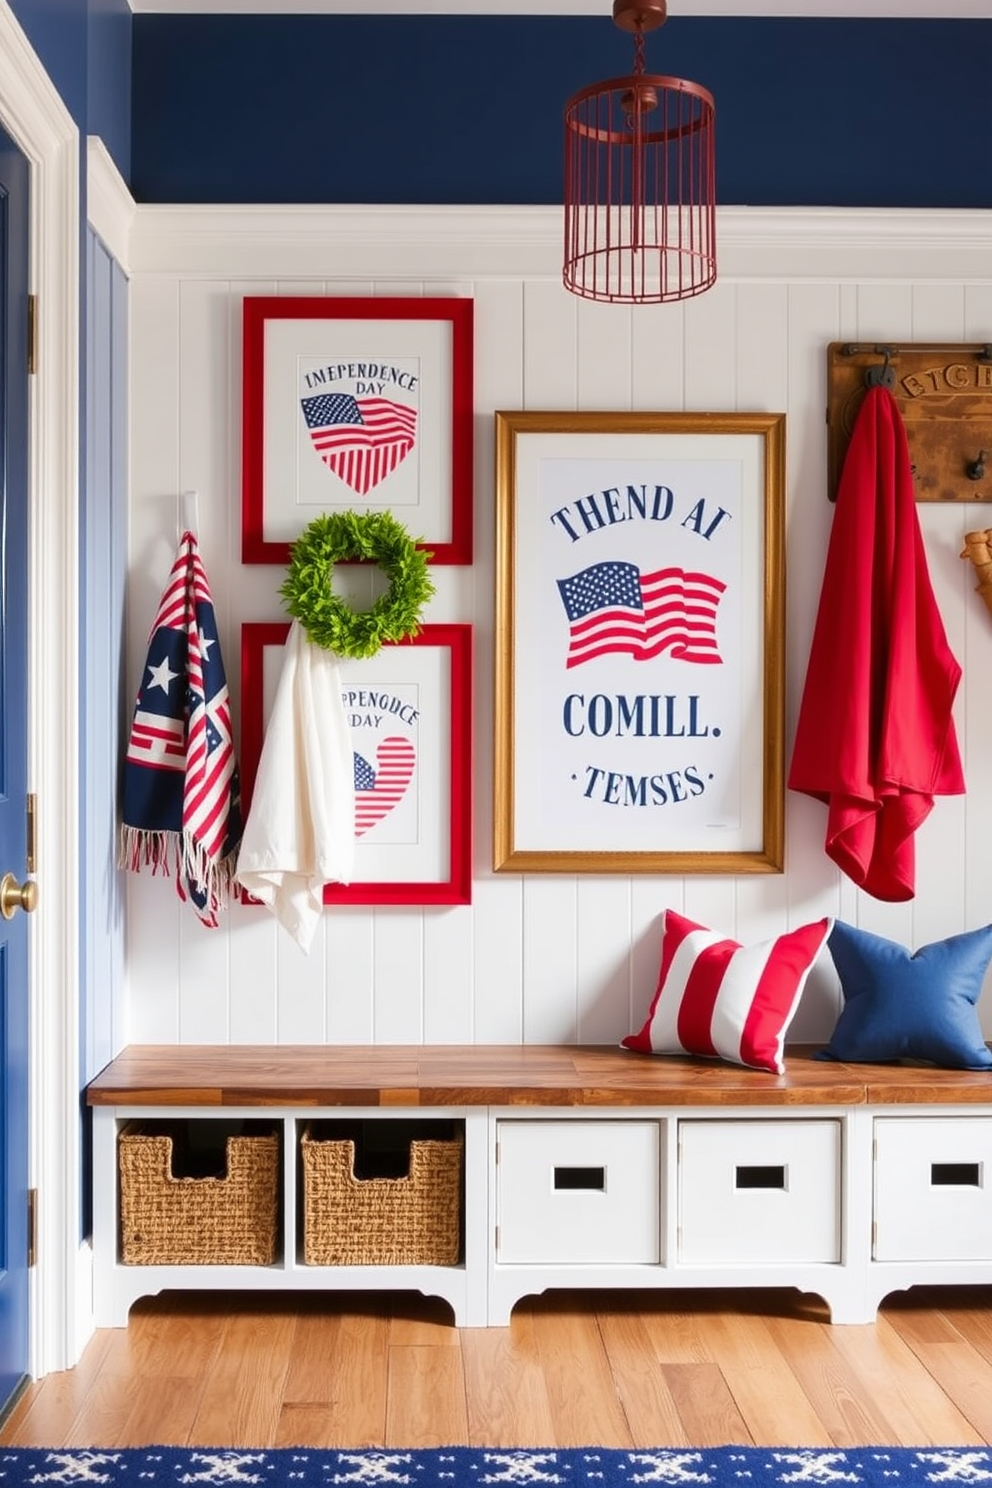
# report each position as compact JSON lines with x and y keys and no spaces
{"x":536,"y":958}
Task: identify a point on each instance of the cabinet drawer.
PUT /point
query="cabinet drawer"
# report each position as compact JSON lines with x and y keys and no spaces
{"x":933,"y":1177}
{"x":759,"y":1190}
{"x":579,"y":1191}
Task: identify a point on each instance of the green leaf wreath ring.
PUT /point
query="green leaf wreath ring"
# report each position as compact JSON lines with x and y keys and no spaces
{"x":324,"y":615}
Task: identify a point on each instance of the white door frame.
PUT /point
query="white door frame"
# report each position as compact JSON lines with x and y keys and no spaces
{"x":35,"y":117}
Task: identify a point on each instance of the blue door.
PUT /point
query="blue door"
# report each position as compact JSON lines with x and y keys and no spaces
{"x":15,"y":893}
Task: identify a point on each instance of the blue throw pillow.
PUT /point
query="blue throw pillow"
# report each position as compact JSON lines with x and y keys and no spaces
{"x":902,"y":1005}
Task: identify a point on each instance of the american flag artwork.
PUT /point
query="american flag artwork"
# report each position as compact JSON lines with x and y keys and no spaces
{"x":380,"y":787}
{"x":181,"y":802}
{"x":362,"y":440}
{"x":613,"y":608}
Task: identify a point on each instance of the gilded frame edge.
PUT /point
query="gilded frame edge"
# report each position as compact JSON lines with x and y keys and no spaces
{"x":770,"y":856}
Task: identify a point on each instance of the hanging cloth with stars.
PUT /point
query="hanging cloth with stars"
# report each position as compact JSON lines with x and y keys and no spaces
{"x":181,"y":802}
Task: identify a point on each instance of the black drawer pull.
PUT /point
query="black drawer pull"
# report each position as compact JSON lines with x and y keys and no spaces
{"x":758,"y":1175}
{"x":593,"y":1179}
{"x":955,"y":1175}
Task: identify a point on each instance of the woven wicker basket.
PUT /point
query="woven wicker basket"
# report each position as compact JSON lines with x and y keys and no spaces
{"x":167,"y":1221}
{"x":411,"y":1221}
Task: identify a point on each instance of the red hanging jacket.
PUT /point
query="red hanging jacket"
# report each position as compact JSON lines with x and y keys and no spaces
{"x":875,"y":738}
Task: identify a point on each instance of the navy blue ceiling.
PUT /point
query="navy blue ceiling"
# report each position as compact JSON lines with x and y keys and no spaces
{"x":467,"y":109}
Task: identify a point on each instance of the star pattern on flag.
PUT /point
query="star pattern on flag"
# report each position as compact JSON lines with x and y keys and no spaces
{"x":162,"y":675}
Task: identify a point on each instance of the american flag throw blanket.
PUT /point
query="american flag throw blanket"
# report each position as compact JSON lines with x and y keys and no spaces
{"x":182,"y":810}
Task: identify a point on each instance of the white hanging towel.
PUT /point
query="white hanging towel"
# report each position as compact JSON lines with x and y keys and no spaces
{"x":300,"y":832}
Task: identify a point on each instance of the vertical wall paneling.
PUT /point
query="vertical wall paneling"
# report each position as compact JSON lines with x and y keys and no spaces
{"x":550,"y":959}
{"x":885,"y":313}
{"x":603,"y":957}
{"x":657,"y":357}
{"x":939,"y":315}
{"x":398,"y":975}
{"x":541,"y":957}
{"x":811,"y":881}
{"x":118,"y":534}
{"x":102,"y":537}
{"x":711,"y":386}
{"x":603,"y":367}
{"x":938,"y":312}
{"x":204,"y":467}
{"x":975,"y":701}
{"x":448,"y":960}
{"x":101,"y":534}
{"x":710,"y":358}
{"x":649,"y":896}
{"x":300,"y":988}
{"x":254,"y":935}
{"x":762,"y":383}
{"x":153,"y":906}
{"x":497,"y":899}
{"x":349,"y":939}
{"x":548,"y":348}
{"x":89,"y":1012}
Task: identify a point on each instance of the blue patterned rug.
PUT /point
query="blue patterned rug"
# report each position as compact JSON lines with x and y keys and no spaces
{"x":462,"y":1467}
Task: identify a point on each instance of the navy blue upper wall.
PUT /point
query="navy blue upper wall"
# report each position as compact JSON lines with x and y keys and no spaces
{"x":109,"y":71}
{"x":85,"y":47}
{"x":468,"y":109}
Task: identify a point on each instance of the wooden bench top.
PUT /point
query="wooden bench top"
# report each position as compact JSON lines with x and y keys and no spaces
{"x":504,"y":1075}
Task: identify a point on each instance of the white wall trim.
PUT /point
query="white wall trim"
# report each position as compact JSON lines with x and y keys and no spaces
{"x":35,"y":117}
{"x":110,"y":206}
{"x":766,"y":244}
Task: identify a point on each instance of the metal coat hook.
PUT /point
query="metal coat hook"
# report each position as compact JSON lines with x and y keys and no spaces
{"x":883,"y":376}
{"x":188,"y":513}
{"x":975,"y":469}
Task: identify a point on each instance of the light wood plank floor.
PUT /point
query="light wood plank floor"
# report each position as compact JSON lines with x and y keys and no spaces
{"x":607,"y":1369}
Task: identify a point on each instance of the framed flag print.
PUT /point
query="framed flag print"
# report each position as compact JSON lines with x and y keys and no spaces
{"x":639,"y":643}
{"x":409,"y":713}
{"x":357,"y":404}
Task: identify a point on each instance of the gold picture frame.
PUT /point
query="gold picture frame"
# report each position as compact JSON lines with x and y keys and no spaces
{"x":640,"y":643}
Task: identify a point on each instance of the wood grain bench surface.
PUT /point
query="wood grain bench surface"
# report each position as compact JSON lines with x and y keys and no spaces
{"x":594,"y":1076}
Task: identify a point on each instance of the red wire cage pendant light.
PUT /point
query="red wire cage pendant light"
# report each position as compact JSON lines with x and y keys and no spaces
{"x":640,"y":181}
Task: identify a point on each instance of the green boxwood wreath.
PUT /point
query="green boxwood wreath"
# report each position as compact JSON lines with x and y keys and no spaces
{"x":324,"y":615}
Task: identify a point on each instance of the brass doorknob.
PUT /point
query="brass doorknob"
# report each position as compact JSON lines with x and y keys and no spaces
{"x":15,"y":896}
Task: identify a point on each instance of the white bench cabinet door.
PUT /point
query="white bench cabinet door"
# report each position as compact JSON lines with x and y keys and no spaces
{"x":933,"y":1188}
{"x":578,"y":1192}
{"x":756,"y":1191}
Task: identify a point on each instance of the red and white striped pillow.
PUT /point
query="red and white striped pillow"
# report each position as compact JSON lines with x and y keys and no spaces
{"x":723,"y":1000}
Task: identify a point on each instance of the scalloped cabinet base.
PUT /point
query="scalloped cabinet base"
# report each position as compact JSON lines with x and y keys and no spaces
{"x":685,"y":1175}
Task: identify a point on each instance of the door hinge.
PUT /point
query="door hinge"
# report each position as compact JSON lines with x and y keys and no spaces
{"x":31,"y":855}
{"x":32,"y":334}
{"x":32,"y":1226}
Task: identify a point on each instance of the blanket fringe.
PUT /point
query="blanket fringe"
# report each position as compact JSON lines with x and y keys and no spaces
{"x":176,"y":854}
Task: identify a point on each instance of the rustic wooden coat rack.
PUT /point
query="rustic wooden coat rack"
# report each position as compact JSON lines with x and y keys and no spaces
{"x":944,"y":393}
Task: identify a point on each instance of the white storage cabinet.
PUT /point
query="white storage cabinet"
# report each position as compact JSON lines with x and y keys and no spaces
{"x":849,"y":1201}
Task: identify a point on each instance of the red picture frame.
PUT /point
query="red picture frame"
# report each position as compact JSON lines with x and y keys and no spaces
{"x":448,"y":839}
{"x":299,"y":354}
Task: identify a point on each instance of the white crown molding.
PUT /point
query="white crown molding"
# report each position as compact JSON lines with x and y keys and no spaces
{"x":34,"y":115}
{"x":899,"y":10}
{"x":473,"y":243}
{"x":110,"y":207}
